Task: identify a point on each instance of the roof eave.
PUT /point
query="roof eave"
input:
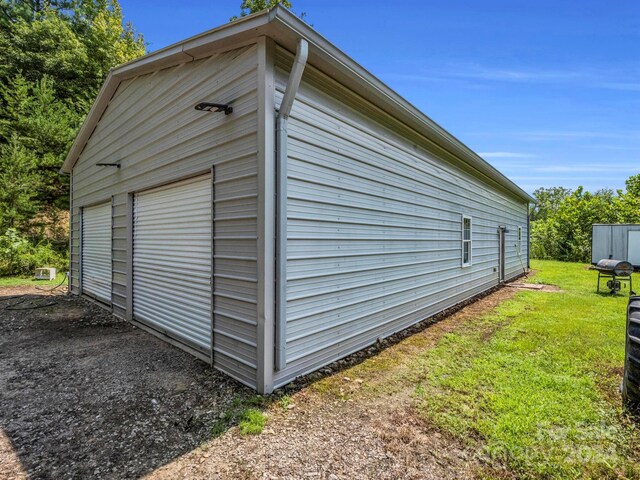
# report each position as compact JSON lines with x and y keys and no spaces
{"x":284,"y":27}
{"x":185,"y":51}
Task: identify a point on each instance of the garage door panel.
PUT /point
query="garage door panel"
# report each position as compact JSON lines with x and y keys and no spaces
{"x":176,"y":264}
{"x":96,"y":251}
{"x":177,"y":330}
{"x":172,"y":260}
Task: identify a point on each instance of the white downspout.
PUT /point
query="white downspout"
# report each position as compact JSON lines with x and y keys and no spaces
{"x":281,"y":188}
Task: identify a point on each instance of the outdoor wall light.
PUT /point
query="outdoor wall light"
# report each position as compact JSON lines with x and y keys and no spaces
{"x":219,"y":107}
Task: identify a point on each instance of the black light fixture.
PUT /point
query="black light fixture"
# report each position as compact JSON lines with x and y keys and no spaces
{"x":219,"y":107}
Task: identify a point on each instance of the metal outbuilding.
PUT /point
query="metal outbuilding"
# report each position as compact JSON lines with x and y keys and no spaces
{"x":620,"y":241}
{"x":272,"y":207}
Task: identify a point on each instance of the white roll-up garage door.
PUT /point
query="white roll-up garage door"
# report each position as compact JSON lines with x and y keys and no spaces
{"x":172,"y":260}
{"x":96,"y":251}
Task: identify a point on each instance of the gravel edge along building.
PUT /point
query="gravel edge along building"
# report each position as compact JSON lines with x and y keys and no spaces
{"x":257,"y":198}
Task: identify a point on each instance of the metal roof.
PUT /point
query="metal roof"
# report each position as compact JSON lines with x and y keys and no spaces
{"x":286,"y":29}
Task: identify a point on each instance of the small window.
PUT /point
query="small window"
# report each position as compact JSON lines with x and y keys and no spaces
{"x":519,"y":245}
{"x":466,"y":241}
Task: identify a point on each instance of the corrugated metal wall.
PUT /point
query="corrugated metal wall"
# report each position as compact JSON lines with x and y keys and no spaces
{"x":374,"y":226}
{"x":172,"y":260}
{"x":633,"y":247}
{"x":611,"y":241}
{"x":151,"y":128}
{"x":96,"y":251}
{"x":601,"y":243}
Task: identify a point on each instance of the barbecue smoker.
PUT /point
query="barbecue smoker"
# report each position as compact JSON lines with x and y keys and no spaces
{"x":617,"y":273}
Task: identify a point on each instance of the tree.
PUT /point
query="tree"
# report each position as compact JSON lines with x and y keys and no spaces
{"x":247,"y":7}
{"x":548,"y":201}
{"x":76,"y":48}
{"x":46,"y":126}
{"x":54,"y":57}
{"x":19,"y":183}
{"x":633,"y":185}
{"x":562,"y":228}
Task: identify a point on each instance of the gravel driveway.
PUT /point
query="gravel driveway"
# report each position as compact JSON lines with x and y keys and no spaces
{"x":85,"y":395}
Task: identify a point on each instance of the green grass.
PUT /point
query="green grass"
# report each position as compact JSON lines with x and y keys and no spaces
{"x":284,"y":402}
{"x":246,"y":413}
{"x":252,"y":422}
{"x":533,"y":384}
{"x":29,"y":281}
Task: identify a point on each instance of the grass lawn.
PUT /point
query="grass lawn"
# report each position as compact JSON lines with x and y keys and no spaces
{"x":531,"y":386}
{"x":535,"y":382}
{"x":29,"y":281}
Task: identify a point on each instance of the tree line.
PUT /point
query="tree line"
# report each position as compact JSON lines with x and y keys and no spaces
{"x":54,"y":57}
{"x":561,"y":221}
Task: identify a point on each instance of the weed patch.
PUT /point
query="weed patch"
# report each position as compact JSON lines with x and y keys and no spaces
{"x":252,"y":422}
{"x":244,"y":412}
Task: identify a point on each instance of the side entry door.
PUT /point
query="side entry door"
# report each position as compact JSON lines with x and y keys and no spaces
{"x":502,"y":230}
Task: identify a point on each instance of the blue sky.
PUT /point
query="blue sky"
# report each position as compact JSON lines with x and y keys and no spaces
{"x":547,"y":91}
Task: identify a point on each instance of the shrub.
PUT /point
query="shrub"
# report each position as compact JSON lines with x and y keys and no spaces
{"x":18,"y":256}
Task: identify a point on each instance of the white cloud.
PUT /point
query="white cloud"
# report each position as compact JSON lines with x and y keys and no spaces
{"x":600,"y":78}
{"x":577,"y":134}
{"x":505,"y":155}
{"x":586,"y":168}
{"x":632,"y":87}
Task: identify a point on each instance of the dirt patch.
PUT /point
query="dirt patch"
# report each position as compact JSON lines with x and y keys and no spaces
{"x":540,"y":287}
{"x":328,"y":440}
{"x":340,"y":423}
{"x":85,"y":395}
{"x":30,"y":290}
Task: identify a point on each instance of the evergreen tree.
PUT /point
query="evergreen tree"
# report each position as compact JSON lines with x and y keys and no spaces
{"x":54,"y":57}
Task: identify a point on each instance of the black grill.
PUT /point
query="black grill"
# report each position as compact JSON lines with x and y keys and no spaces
{"x":617,"y":273}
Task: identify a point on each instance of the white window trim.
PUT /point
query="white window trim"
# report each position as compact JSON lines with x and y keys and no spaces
{"x":470,"y":262}
{"x":519,"y":240}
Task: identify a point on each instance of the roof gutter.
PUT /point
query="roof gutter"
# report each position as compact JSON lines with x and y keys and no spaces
{"x":282,"y":120}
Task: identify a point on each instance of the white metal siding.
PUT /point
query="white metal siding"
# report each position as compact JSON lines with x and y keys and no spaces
{"x":172,"y":265}
{"x":152,"y":129}
{"x":633,"y":247}
{"x":96,"y":251}
{"x":601,"y":242}
{"x":119,"y":245}
{"x":375,"y":225}
{"x":612,"y":241}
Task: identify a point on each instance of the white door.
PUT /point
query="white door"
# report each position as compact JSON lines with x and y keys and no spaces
{"x":172,"y":260}
{"x":633,"y":253}
{"x":96,"y":251}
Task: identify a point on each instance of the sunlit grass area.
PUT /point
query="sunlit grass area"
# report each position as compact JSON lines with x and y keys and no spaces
{"x":530,"y":385}
{"x":30,"y":281}
{"x":534,"y":383}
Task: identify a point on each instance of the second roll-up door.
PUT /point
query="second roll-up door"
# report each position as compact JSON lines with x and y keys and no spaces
{"x":172,"y":260}
{"x":96,"y":251}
